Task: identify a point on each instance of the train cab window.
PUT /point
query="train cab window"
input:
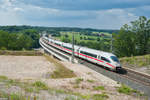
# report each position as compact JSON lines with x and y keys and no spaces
{"x":105,"y":59}
{"x":114,"y":58}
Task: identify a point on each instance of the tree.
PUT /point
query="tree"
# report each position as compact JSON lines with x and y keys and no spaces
{"x":98,"y":39}
{"x":125,"y":43}
{"x":34,"y":36}
{"x":24,"y":42}
{"x":4,"y":39}
{"x":133,"y":39}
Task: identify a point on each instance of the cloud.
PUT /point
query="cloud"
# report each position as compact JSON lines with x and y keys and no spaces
{"x":87,"y":4}
{"x":8,"y":13}
{"x":106,"y":14}
{"x":110,"y":19}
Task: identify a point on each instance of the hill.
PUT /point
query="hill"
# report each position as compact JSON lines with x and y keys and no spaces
{"x":48,"y":29}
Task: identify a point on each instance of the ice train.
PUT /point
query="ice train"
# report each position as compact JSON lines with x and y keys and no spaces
{"x":106,"y":59}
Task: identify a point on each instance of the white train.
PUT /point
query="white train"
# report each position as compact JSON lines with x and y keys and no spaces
{"x":108,"y":60}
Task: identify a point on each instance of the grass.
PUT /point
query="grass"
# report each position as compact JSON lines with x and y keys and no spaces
{"x":89,"y":73}
{"x":61,"y":71}
{"x":76,"y":86}
{"x":78,"y":35}
{"x":139,"y":61}
{"x":12,"y":96}
{"x":21,"y":53}
{"x":29,"y":89}
{"x":90,"y":81}
{"x":78,"y":80}
{"x":102,"y":96}
{"x":72,"y":98}
{"x":99,"y":88}
{"x":41,"y":85}
{"x":37,"y":86}
{"x":3,"y":78}
{"x":127,"y":90}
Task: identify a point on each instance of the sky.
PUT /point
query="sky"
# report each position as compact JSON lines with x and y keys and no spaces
{"x":98,"y":14}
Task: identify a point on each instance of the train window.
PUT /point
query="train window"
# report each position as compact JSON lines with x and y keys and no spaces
{"x":57,"y":44}
{"x":114,"y":58}
{"x":105,"y":59}
{"x":89,"y":54}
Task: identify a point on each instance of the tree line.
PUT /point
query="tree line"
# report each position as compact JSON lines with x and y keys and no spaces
{"x":26,"y":39}
{"x":130,"y":40}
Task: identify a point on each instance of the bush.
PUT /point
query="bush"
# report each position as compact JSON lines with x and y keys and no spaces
{"x":41,"y":85}
{"x":125,"y":89}
{"x":3,"y":48}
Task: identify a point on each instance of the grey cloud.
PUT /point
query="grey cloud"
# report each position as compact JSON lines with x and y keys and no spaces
{"x":87,"y":4}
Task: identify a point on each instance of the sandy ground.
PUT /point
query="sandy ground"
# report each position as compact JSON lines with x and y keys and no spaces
{"x":24,"y":67}
{"x":33,"y":68}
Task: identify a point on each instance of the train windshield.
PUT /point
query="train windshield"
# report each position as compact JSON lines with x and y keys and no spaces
{"x":114,"y":58}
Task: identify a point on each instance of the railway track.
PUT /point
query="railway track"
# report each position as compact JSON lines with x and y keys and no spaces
{"x":127,"y":76}
{"x":137,"y":76}
{"x":124,"y":72}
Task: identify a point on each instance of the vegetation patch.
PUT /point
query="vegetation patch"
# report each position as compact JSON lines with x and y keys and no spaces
{"x":12,"y":96}
{"x":40,"y":85}
{"x":78,"y":80}
{"x":139,"y":61}
{"x":90,"y":81}
{"x":102,"y":96}
{"x":61,"y":71}
{"x":20,"y":53}
{"x":76,"y":86}
{"x":3,"y":78}
{"x":99,"y":88}
{"x":126,"y":90}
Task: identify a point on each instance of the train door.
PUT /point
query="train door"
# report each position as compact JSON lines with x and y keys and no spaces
{"x":99,"y":57}
{"x":77,"y":52}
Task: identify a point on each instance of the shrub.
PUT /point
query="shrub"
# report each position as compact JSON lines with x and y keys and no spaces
{"x":125,"y":89}
{"x":99,"y":88}
{"x":41,"y":85}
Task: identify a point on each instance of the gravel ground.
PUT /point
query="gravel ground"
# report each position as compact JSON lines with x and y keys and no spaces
{"x":25,"y":67}
{"x":32,"y":68}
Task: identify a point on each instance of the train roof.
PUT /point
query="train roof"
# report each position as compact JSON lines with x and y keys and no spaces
{"x":97,"y":52}
{"x":70,"y":45}
{"x":89,"y":50}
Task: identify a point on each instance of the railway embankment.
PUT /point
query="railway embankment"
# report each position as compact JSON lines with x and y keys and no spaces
{"x":47,"y":78}
{"x":21,"y":53}
{"x":138,"y":63}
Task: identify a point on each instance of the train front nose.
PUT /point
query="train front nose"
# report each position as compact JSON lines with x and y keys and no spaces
{"x":118,"y":66}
